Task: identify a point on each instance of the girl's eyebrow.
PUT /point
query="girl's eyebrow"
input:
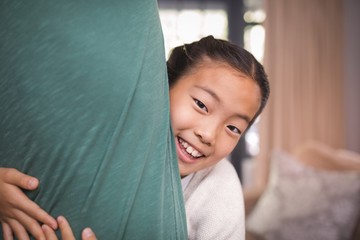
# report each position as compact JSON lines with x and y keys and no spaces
{"x":209,"y":91}
{"x":244,"y":117}
{"x":214,"y":95}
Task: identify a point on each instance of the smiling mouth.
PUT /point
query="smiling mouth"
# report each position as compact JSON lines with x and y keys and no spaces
{"x":189,"y":149}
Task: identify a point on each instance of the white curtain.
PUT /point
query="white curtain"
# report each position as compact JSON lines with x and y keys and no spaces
{"x":304,"y":62}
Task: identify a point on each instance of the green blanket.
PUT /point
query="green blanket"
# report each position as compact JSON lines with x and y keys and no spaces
{"x":84,"y":108}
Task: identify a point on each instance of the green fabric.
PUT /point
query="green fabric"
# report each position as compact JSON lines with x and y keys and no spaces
{"x":84,"y":107}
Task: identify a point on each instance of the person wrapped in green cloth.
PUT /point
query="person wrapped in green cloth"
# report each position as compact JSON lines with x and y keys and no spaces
{"x":84,"y":107}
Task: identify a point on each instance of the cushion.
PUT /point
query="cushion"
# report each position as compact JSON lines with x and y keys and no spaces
{"x":322,"y":156}
{"x":302,"y":202}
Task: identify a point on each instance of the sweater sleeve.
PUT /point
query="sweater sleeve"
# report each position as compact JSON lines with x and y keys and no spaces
{"x":214,"y":204}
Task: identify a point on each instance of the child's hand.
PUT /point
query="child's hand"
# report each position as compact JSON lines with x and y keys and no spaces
{"x":18,"y":214}
{"x":66,"y":232}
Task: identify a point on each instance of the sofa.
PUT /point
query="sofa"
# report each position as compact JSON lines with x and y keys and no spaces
{"x":313,"y":192}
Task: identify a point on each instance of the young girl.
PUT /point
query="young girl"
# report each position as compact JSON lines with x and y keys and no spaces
{"x":216,"y":92}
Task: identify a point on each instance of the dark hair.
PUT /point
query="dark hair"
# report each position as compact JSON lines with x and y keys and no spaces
{"x":187,"y":57}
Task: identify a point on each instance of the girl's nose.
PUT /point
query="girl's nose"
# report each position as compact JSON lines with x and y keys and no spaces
{"x":206,"y":135}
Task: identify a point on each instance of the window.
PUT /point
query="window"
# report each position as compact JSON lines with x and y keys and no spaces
{"x":191,"y":23}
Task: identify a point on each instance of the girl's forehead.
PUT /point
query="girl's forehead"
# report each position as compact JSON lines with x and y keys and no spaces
{"x":207,"y":62}
{"x":215,"y":66}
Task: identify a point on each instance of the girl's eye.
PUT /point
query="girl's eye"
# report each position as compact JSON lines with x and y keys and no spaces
{"x":200,"y":105}
{"x":234,"y":129}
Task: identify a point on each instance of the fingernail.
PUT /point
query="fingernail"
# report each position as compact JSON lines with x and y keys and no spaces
{"x":60,"y":219}
{"x":87,"y":232}
{"x":54,"y":225}
{"x":43,"y":227}
{"x":33,"y":182}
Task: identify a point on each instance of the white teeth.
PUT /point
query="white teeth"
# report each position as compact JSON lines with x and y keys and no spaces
{"x":195,"y":154}
{"x":189,"y":149}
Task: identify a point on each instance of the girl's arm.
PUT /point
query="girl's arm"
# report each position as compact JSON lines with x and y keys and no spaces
{"x":18,"y":214}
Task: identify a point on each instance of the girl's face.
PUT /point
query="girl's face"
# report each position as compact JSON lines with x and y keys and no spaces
{"x":210,"y":108}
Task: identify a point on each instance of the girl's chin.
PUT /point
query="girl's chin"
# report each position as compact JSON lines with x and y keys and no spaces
{"x":184,"y":172}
